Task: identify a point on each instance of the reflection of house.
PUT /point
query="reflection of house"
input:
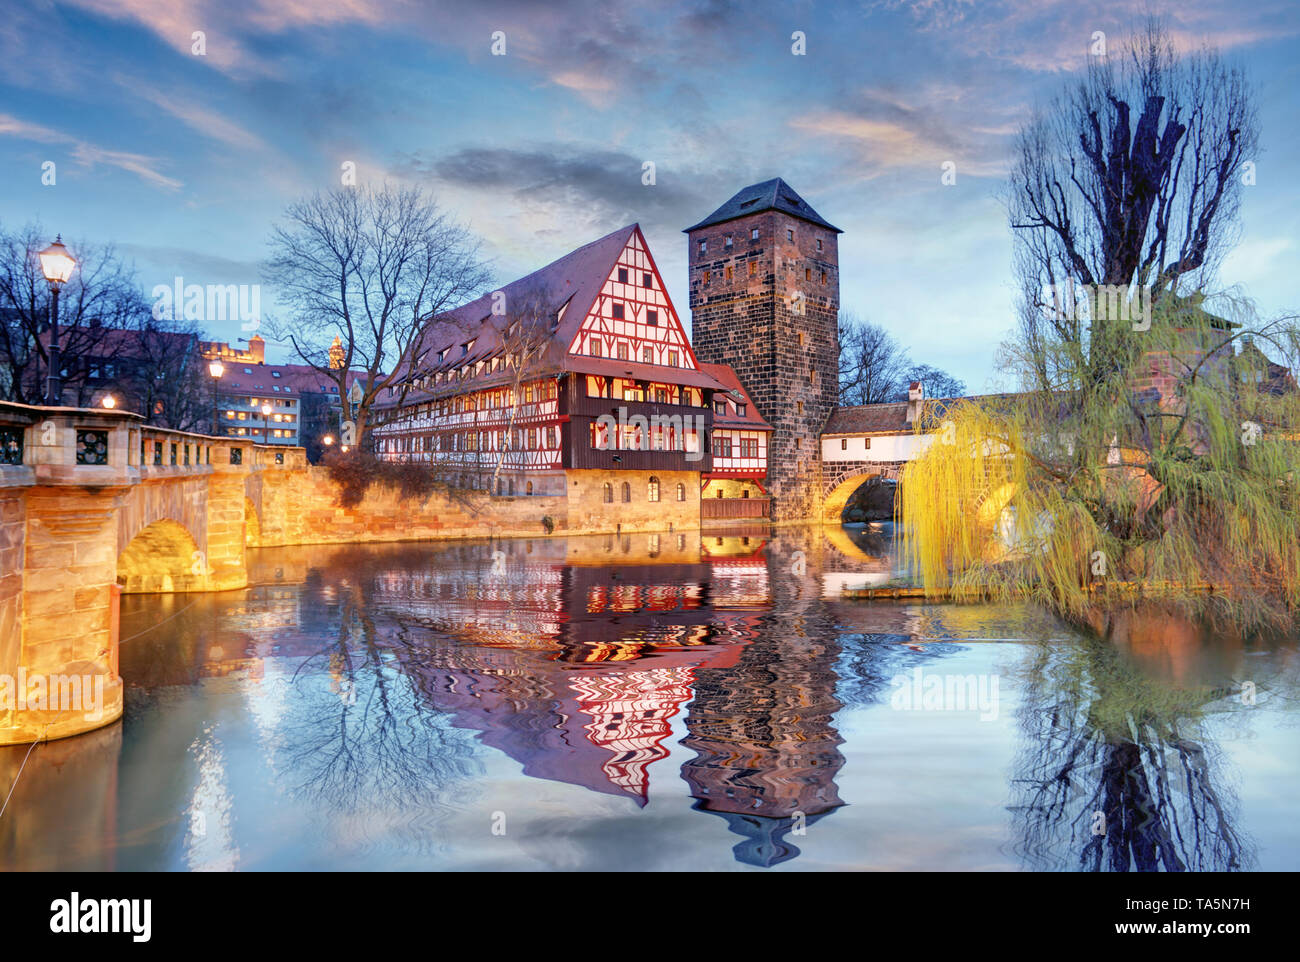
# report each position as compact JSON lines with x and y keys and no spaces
{"x":1254,"y":369}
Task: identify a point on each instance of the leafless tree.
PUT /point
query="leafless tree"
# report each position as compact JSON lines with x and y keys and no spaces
{"x":1131,"y":179}
{"x":873,"y":366}
{"x":374,"y":267}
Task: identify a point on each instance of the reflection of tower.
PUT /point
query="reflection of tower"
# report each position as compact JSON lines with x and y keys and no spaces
{"x":766,"y":753}
{"x":338,"y":357}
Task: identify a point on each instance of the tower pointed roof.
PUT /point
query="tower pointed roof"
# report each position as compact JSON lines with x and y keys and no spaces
{"x":774,"y":194}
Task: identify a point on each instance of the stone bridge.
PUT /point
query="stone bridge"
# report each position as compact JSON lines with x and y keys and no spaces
{"x":841,"y":478}
{"x":94,"y":503}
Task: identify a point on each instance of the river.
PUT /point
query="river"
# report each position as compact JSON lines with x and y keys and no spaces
{"x":649,"y":702}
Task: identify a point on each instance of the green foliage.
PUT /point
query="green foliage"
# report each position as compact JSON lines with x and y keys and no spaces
{"x":1106,"y":484}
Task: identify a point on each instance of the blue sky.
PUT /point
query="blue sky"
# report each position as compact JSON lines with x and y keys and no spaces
{"x":184,"y":161}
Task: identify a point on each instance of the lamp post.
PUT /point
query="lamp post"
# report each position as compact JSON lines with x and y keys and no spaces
{"x":56,"y":265}
{"x":266,"y":424}
{"x":216,"y":369}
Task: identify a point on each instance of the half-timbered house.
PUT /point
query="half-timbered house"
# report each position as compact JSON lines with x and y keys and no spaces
{"x":579,"y":381}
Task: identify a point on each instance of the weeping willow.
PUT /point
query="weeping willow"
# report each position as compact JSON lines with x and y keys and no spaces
{"x":1138,"y":463}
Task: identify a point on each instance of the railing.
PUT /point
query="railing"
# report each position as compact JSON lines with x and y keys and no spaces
{"x":716,"y":509}
{"x":96,"y":447}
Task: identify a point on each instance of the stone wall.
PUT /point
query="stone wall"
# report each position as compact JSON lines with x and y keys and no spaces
{"x":784,"y":349}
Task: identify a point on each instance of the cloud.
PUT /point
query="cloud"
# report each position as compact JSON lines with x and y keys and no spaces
{"x":88,"y":154}
{"x":206,"y":122}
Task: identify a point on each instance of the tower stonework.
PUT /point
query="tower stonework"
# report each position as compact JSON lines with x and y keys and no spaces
{"x":765,"y":297}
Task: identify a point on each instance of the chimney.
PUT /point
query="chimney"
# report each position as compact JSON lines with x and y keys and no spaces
{"x":915,"y":396}
{"x":257,"y":348}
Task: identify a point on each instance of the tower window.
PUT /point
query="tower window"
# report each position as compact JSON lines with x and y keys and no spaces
{"x":727,"y":244}
{"x":819,"y":244}
{"x":823,"y":277}
{"x":704,"y":247}
{"x":807,"y":273}
{"x":753,"y":234}
{"x":728,"y":272}
{"x":753,"y":268}
{"x":801,"y":338}
{"x":708,"y":276}
{"x":789,"y":234}
{"x":622,"y":275}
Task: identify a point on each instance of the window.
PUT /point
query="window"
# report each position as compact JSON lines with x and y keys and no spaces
{"x":728,"y":272}
{"x":622,"y":351}
{"x":801,"y":338}
{"x":275,"y":374}
{"x":681,"y":491}
{"x":647,"y":280}
{"x":647,"y":355}
{"x":844,"y":444}
{"x":749,"y":447}
{"x":720,"y":406}
{"x":652,"y":318}
{"x":823,"y":277}
{"x":789,"y":234}
{"x":661,"y":395}
{"x":248,"y":370}
{"x":740,"y":410}
{"x":819,"y":244}
{"x":704,"y":247}
{"x":753,"y":268}
{"x":596,"y":349}
{"x":627,"y":492}
{"x":807,"y":273}
{"x":798,"y":407}
{"x":608,"y":493}
{"x":672,"y":358}
{"x":617,"y":311}
{"x":528,"y":489}
{"x":721,"y":447}
{"x":753,"y":234}
{"x":622,"y":275}
{"x":652,"y":493}
{"x":708,"y":276}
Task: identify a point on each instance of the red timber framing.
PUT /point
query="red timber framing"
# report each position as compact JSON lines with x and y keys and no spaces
{"x":615,"y":385}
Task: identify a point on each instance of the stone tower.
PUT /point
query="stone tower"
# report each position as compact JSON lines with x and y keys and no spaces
{"x":765,"y":297}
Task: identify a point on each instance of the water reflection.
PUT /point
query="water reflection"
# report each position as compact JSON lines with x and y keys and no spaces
{"x":361,"y":704}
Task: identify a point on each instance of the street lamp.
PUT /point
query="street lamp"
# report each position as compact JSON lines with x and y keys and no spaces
{"x":266,"y":424}
{"x":56,"y":265}
{"x":327,"y":440}
{"x":109,"y":401}
{"x":216,"y":369}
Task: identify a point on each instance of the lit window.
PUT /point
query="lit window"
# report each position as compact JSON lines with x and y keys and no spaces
{"x":652,"y":494}
{"x":647,"y":355}
{"x":672,"y":358}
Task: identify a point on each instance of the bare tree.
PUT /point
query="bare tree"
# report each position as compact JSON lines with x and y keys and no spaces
{"x":1131,"y":179}
{"x":872,"y":365}
{"x":936,"y":383}
{"x":101,"y":296}
{"x":374,"y":267}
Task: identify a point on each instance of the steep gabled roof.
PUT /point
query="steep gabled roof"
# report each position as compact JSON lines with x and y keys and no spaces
{"x":774,"y":194}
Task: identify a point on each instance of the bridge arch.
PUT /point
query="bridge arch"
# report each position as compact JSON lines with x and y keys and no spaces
{"x":252,"y":525}
{"x":162,"y":557}
{"x":837,"y":497}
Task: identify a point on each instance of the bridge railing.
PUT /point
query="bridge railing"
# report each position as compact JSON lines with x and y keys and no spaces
{"x":96,"y":447}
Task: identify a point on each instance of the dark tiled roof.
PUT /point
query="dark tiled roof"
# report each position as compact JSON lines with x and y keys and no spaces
{"x":752,"y":420}
{"x":774,"y":194}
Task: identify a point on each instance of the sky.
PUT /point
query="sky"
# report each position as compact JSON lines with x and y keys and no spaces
{"x":184,"y":156}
